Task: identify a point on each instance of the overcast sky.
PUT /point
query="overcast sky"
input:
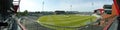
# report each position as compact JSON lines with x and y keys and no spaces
{"x":52,"y":5}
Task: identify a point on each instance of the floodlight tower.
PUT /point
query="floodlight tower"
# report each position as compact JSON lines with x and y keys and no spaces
{"x":43,"y":5}
{"x":70,"y":7}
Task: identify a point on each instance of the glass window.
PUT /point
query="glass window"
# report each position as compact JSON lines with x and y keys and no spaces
{"x":108,"y":11}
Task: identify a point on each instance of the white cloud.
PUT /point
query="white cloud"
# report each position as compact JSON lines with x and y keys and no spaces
{"x":29,"y":5}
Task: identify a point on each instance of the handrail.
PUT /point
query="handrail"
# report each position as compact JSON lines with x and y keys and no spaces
{"x":109,"y":24}
{"x":21,"y":26}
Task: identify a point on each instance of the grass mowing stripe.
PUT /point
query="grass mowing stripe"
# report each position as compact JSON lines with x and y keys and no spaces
{"x":63,"y":21}
{"x":72,"y":20}
{"x":61,"y":28}
{"x":73,"y":23}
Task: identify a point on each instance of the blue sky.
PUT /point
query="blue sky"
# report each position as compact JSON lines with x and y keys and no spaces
{"x":52,"y":5}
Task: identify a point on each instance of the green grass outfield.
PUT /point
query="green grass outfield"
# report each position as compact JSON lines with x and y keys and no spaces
{"x":65,"y":22}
